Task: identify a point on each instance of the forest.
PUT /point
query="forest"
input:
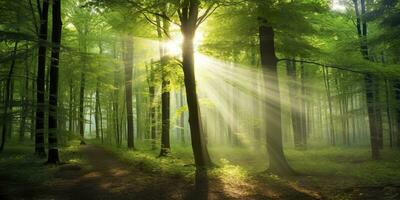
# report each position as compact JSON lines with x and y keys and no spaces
{"x":200,"y":99}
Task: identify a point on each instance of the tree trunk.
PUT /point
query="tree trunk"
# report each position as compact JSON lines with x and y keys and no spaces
{"x":24,"y":98}
{"x":6,"y":118}
{"x":329,"y":98}
{"x":199,"y":146}
{"x":370,"y":84}
{"x":277,"y":160}
{"x":294,"y":98}
{"x":70,"y":112}
{"x":81,"y":108}
{"x":303,"y":109}
{"x":96,"y":113}
{"x":40,"y":81}
{"x":165,"y":94}
{"x":53,"y":97}
{"x":128,"y":60}
{"x":373,"y":121}
{"x":397,"y":97}
{"x":152,"y":108}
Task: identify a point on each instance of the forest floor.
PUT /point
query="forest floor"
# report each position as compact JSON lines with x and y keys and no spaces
{"x":94,"y":172}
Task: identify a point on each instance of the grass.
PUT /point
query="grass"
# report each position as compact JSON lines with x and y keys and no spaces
{"x":19,"y":165}
{"x":352,"y":164}
{"x":325,"y":168}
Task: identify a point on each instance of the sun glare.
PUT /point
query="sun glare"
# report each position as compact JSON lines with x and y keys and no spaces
{"x":174,"y":46}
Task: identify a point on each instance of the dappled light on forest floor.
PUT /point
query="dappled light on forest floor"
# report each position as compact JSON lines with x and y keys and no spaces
{"x":199,"y":99}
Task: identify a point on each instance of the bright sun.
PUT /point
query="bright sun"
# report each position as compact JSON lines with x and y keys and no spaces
{"x":174,"y":46}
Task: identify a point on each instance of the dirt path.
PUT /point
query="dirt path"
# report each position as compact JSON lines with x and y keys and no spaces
{"x":105,"y":177}
{"x":108,"y":178}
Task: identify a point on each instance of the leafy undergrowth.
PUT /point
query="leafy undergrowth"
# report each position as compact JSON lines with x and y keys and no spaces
{"x":353,"y":163}
{"x":334,"y":173}
{"x":148,"y":161}
{"x":19,"y":167}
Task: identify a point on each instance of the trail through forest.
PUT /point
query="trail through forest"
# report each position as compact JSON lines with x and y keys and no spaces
{"x":103,"y":176}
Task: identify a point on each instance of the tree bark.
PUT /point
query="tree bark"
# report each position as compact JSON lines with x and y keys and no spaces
{"x":329,"y":98}
{"x":128,"y":60}
{"x":40,"y":81}
{"x":277,"y":160}
{"x":53,"y":157}
{"x":188,"y":29}
{"x":165,"y":94}
{"x":81,"y":108}
{"x":294,"y":98}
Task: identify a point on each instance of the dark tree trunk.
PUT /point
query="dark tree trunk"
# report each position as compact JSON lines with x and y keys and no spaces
{"x":97,"y":108}
{"x":397,"y":97}
{"x":329,"y":98}
{"x":53,"y":97}
{"x":6,"y":119}
{"x":294,"y":98}
{"x":97,"y":104}
{"x":128,"y":60}
{"x":70,"y":112}
{"x":188,"y":29}
{"x":115,"y":104}
{"x":373,"y":121}
{"x":152,"y":108}
{"x":81,"y":108}
{"x":303,"y":109}
{"x":370,"y":84}
{"x":40,"y":81}
{"x":24,"y":98}
{"x":388,"y":112}
{"x":277,"y":160}
{"x":165,"y":94}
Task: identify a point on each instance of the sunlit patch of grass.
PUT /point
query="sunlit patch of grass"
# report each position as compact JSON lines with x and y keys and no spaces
{"x":235,"y":179}
{"x":148,"y":161}
{"x":247,"y":158}
{"x":348,"y":162}
{"x":229,"y":173}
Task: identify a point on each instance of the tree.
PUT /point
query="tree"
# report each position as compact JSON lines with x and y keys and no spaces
{"x":128,"y":60}
{"x":40,"y":80}
{"x":53,"y":157}
{"x":277,"y":160}
{"x":6,"y":115}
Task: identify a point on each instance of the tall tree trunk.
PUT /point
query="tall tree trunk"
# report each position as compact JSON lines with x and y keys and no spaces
{"x":70,"y":112}
{"x":370,"y":83}
{"x":329,"y":98}
{"x":6,"y":119}
{"x":303,"y":109}
{"x":294,"y":98}
{"x":373,"y":125}
{"x":188,"y":29}
{"x":165,"y":94}
{"x":40,"y":81}
{"x":81,"y":108}
{"x":397,"y":97}
{"x":97,"y":107}
{"x":53,"y":96}
{"x":388,"y":112}
{"x":115,"y":105}
{"x":277,"y":160}
{"x":152,"y":107}
{"x":128,"y":60}
{"x":24,"y":98}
